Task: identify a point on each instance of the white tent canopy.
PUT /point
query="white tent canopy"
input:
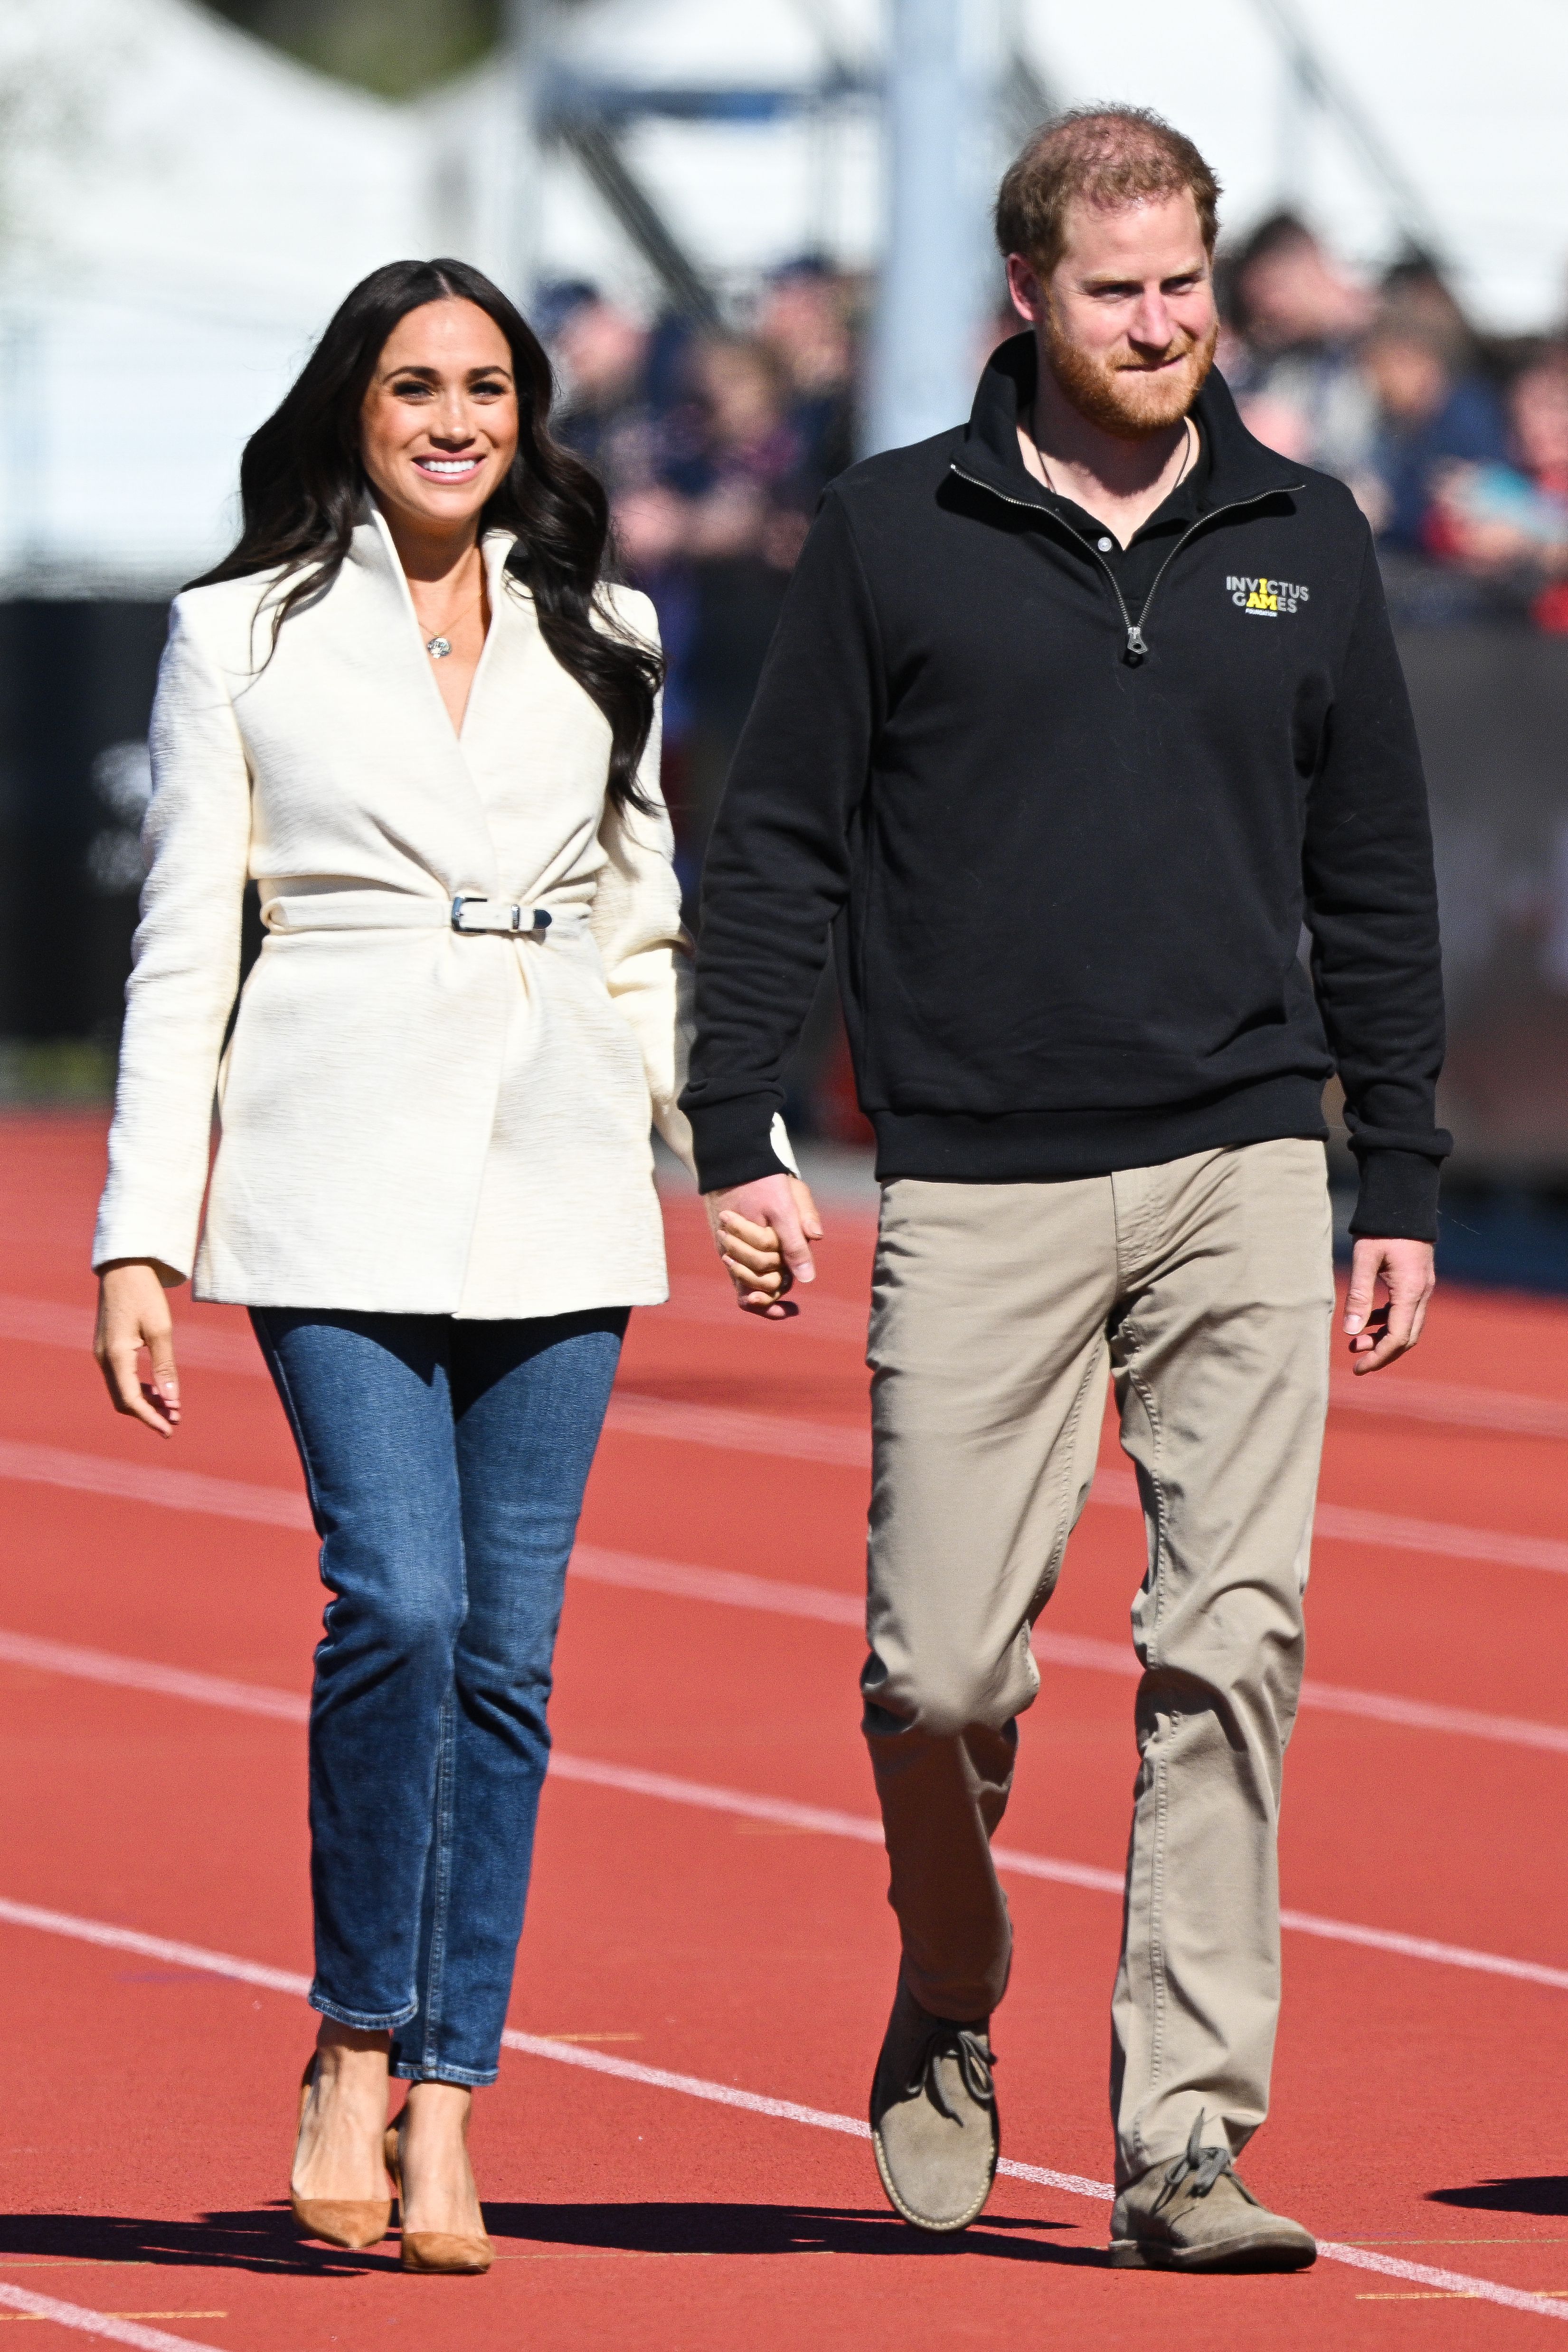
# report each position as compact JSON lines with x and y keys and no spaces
{"x":180,"y":208}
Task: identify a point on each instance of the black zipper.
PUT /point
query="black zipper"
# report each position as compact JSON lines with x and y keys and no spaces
{"x":1136,"y":645}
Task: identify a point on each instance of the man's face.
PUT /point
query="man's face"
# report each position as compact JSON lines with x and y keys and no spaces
{"x":1126,"y":322}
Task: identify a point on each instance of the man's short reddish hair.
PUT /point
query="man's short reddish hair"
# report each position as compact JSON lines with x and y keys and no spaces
{"x":1108,"y":156}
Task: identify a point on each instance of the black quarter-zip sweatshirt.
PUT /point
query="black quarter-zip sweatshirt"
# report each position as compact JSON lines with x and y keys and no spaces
{"x":1067,"y":810}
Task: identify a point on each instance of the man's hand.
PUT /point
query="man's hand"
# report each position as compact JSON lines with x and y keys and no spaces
{"x":763,"y":1232}
{"x":1405,"y":1273}
{"x":133,"y":1314}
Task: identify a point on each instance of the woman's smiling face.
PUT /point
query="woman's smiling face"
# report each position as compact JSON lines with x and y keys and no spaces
{"x":439,"y":425}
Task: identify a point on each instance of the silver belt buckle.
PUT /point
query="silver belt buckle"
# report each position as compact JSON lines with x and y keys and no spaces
{"x":511,"y":916}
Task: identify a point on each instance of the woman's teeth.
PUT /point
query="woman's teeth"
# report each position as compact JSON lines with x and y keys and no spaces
{"x":448,"y":469}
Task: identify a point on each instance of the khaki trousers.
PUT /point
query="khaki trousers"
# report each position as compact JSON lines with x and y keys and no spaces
{"x":1204,"y":1288}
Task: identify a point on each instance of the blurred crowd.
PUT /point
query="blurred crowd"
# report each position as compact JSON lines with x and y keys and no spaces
{"x":715,"y":445}
{"x":1455,"y":444}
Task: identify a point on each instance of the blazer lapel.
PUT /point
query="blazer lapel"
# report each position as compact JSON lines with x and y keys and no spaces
{"x":447,"y":820}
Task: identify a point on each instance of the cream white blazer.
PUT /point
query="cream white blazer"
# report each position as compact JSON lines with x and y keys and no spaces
{"x":412,"y":1117}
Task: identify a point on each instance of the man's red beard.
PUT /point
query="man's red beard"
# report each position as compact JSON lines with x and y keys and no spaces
{"x":1122,"y":395}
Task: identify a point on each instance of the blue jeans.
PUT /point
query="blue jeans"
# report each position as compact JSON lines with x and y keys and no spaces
{"x":445,"y":1462}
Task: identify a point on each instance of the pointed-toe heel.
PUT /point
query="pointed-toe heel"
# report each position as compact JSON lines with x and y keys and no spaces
{"x":437,"y":2249}
{"x":349,"y":2223}
{"x":434,"y":2251}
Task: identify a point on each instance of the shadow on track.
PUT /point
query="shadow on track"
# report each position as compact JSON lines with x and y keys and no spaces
{"x":1545,"y":2192}
{"x":263,"y":2240}
{"x":713,"y":2229}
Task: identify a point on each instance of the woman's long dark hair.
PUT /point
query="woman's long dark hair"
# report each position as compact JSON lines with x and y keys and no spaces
{"x":303,"y":488}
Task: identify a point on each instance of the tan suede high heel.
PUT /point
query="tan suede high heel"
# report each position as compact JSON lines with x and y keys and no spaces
{"x":351,"y":2222}
{"x":433,"y":2250}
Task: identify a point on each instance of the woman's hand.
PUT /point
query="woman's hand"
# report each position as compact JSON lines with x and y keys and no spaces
{"x":133,"y":1314}
{"x":763,"y":1232}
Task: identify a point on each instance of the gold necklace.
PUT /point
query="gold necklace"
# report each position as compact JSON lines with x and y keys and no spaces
{"x":438,"y":647}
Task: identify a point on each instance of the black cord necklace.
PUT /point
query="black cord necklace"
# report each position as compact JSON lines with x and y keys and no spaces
{"x":1189,"y":458}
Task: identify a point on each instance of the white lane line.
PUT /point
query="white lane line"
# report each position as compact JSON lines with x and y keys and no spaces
{"x":1453,"y":1403}
{"x":138,"y":1482}
{"x":692,"y":2086}
{"x":755,"y":2103}
{"x":88,"y":2322}
{"x":1398,"y":1396}
{"x":752,"y":1433}
{"x":867,"y":1831}
{"x":48,"y":1324}
{"x":147,"y":1675}
{"x":1402,"y":1396}
{"x":1512,"y":2298}
{"x":631,"y":1781}
{"x":1423,"y":1947}
{"x":151,"y":1948}
{"x":840,"y":1444}
{"x":849,"y":1448}
{"x":249,"y":1698}
{"x":844,"y":1444}
{"x":1387,"y":1532}
{"x":733,"y":1589}
{"x":729,"y":1588}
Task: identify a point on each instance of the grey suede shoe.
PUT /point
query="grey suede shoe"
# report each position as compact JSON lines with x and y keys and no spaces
{"x":1195,"y":2215}
{"x":933,"y":2116}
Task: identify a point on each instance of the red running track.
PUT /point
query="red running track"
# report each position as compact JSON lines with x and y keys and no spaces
{"x":701,"y":1946}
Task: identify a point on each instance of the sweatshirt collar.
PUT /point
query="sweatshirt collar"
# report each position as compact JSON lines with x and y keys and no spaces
{"x":1240,"y":467}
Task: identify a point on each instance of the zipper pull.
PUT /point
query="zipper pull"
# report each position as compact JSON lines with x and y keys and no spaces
{"x":1136,"y":648}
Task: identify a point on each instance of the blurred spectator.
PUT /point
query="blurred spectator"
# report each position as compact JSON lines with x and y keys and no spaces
{"x":804,"y":319}
{"x":607,"y":363}
{"x":710,"y":514}
{"x":1432,"y":410}
{"x":601,"y":353}
{"x":1538,"y":414}
{"x":712,"y":530}
{"x":1508,"y":523}
{"x":1295,"y":320}
{"x":735,"y":457}
{"x":1415,"y":291}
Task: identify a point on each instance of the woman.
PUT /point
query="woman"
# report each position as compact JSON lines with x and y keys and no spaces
{"x":407,"y":706}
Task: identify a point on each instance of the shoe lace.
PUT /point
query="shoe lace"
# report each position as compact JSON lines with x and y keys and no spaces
{"x":970,"y":2052}
{"x":1200,"y":2166}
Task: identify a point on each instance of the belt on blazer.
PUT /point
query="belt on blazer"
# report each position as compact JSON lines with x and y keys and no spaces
{"x":392,"y":911}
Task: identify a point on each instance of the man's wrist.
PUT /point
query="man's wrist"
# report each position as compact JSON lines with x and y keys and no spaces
{"x":733,"y":1141}
{"x":1397,"y":1199}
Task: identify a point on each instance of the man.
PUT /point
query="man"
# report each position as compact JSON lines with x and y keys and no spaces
{"x":1074,"y":716}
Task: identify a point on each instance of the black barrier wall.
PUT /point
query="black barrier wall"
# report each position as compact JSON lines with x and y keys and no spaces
{"x":1492,"y":704}
{"x":76,"y":687}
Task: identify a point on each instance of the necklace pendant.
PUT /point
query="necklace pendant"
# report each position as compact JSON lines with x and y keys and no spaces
{"x":438,"y":647}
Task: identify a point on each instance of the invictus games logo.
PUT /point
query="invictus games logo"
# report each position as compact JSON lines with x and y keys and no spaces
{"x":1270,"y":597}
